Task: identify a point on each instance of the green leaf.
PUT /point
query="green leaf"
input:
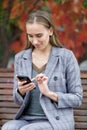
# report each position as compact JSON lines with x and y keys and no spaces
{"x":57,"y":1}
{"x":1,"y":51}
{"x":2,"y":14}
{"x":60,"y":1}
{"x":13,"y":21}
{"x":8,"y":29}
{"x":85,"y":3}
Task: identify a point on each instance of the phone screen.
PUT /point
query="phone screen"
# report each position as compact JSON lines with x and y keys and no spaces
{"x":24,"y":78}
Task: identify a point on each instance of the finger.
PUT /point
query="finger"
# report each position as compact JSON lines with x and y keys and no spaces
{"x":39,"y":75}
{"x":29,"y":87}
{"x":45,"y":78}
{"x":33,"y":79}
{"x":21,"y":83}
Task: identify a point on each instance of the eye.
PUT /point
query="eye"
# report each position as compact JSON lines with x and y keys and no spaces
{"x":29,"y":35}
{"x":39,"y":35}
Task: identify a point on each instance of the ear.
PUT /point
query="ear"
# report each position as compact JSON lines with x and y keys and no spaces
{"x":51,"y":31}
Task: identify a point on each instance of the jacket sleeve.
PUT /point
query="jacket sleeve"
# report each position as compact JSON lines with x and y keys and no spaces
{"x":17,"y":97}
{"x":73,"y":98}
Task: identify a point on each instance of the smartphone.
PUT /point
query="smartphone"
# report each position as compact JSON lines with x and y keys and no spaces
{"x":24,"y":78}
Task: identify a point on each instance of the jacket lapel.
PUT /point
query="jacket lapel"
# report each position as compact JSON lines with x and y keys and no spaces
{"x":27,"y":65}
{"x":27,"y":62}
{"x":52,"y":62}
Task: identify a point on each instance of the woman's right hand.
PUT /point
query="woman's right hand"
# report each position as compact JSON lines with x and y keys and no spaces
{"x":22,"y":89}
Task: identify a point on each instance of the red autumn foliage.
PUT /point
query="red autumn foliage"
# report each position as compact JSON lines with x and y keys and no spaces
{"x":70,"y":19}
{"x":71,"y":22}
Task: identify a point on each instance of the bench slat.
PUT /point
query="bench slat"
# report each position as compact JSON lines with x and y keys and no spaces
{"x":10,"y":110}
{"x":80,"y":112}
{"x":6,"y":98}
{"x":6,"y":80}
{"x":84,"y":75}
{"x":84,"y":87}
{"x":81,"y":118}
{"x":6,"y":85}
{"x":7,"y":116}
{"x":6,"y":75}
{"x":5,"y":91}
{"x":8,"y":104}
{"x":81,"y":125}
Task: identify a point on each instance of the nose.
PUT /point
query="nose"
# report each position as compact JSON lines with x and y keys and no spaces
{"x":34,"y":40}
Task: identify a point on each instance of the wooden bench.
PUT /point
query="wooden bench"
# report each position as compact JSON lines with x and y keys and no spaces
{"x":8,"y":108}
{"x":80,"y":113}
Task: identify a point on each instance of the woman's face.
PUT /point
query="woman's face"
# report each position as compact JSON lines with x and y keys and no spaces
{"x":38,"y":35}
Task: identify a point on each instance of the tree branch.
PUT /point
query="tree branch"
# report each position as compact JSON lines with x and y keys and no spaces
{"x":7,"y":12}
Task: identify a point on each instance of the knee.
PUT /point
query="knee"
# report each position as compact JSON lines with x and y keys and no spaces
{"x":30,"y":127}
{"x":5,"y":127}
{"x":2,"y":128}
{"x":9,"y":126}
{"x":37,"y":126}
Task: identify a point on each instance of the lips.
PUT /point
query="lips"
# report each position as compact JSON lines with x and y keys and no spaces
{"x":37,"y":46}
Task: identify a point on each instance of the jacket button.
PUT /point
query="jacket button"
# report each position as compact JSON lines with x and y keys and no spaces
{"x":55,"y":78}
{"x":57,"y":117}
{"x":52,"y":101}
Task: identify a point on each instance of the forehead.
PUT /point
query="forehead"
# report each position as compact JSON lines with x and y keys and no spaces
{"x":31,"y":27}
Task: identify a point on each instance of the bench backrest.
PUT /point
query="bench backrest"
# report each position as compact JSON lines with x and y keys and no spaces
{"x":8,"y":108}
{"x":80,"y":113}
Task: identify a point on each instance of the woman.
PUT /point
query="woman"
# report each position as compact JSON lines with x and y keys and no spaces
{"x":47,"y":102}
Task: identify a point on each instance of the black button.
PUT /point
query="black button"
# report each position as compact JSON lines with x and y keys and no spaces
{"x":55,"y":78}
{"x":57,"y":117}
{"x":52,"y":101}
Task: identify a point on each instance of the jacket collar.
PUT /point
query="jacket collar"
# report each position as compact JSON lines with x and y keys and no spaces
{"x":27,"y":53}
{"x":55,"y":52}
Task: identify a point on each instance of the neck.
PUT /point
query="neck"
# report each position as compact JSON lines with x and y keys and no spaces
{"x":45,"y":50}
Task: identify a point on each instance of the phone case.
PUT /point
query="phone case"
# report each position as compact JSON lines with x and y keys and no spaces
{"x":24,"y":78}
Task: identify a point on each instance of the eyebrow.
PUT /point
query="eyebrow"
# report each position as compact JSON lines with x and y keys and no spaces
{"x":35,"y":34}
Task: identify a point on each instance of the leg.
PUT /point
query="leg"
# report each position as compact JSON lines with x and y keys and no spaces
{"x":45,"y":125}
{"x":14,"y":125}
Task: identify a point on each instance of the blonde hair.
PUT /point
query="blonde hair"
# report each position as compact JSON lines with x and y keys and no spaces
{"x":44,"y":18}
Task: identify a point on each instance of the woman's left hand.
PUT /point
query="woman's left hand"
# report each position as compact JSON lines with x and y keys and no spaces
{"x":43,"y":87}
{"x":42,"y":83}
